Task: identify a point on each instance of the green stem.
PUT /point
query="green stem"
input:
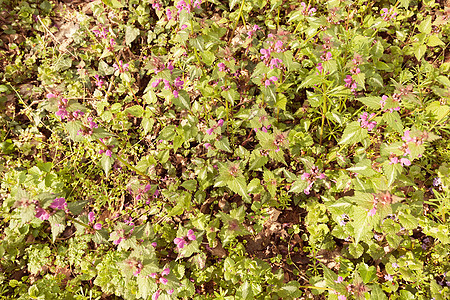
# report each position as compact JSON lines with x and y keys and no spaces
{"x":237,"y":21}
{"x":78,"y":222}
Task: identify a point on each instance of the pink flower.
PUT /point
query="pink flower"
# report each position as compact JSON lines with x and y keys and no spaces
{"x":210,"y":131}
{"x":191,"y":236}
{"x":305,"y":176}
{"x":97,"y":226}
{"x":180,"y":242}
{"x":220,"y":123}
{"x":372,"y":212}
{"x":170,"y":292}
{"x":51,"y":95}
{"x":165,"y":272}
{"x":91,"y":217}
{"x":222,"y":67}
{"x":153,"y":275}
{"x":108,"y":153}
{"x":339,"y":279}
{"x":42,"y":214}
{"x":155,"y":295}
{"x":342,"y":297}
{"x":207,"y":145}
{"x":59,"y":203}
{"x":163,"y":280}
{"x":117,"y":242}
{"x":405,"y":162}
{"x":320,"y":68}
{"x":154,"y":244}
{"x":393,"y":160}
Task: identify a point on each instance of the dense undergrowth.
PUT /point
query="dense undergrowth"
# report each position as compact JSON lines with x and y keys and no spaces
{"x":224,"y":149}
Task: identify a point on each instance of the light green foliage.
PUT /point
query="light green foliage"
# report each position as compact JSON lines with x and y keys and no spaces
{"x":224,"y":149}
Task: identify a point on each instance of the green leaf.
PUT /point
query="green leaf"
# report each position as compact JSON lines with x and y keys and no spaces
{"x":310,"y":81}
{"x":405,"y":4}
{"x":135,"y":110}
{"x":420,"y":51}
{"x":408,"y":221}
{"x":131,"y":33}
{"x":391,"y":171}
{"x":223,"y":144}
{"x":434,"y":41}
{"x":361,"y":224}
{"x":182,"y":101}
{"x":425,"y":25}
{"x":367,"y":273}
{"x":238,"y":185}
{"x":298,"y":186}
{"x":113,"y":3}
{"x":147,"y":124}
{"x":106,"y":163}
{"x":62,"y":64}
{"x":76,"y":207}
{"x":168,"y":133}
{"x":245,"y":291}
{"x":231,"y":95}
{"x":270,"y":94}
{"x":372,"y":102}
{"x":150,"y":97}
{"x":58,"y":224}
{"x":3,"y":88}
{"x":104,"y":69}
{"x":257,"y":162}
{"x":233,"y":3}
{"x":353,"y":134}
{"x":290,"y":290}
{"x":208,"y":57}
{"x":364,"y":167}
{"x":190,"y":184}
{"x":377,"y":292}
{"x":394,"y":121}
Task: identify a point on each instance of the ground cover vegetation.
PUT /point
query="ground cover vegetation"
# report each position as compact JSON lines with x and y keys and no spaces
{"x":206,"y":149}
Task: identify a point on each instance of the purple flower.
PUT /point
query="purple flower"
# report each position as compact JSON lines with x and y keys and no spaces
{"x":180,"y":242}
{"x":265,"y":53}
{"x":319,"y":67}
{"x":156,"y":82}
{"x":207,"y":145}
{"x":91,"y":217}
{"x":165,"y":272}
{"x":210,"y":131}
{"x":108,"y":153}
{"x":339,"y":279}
{"x":97,"y":226}
{"x":42,"y":214}
{"x":405,"y":162}
{"x":437,"y":181}
{"x":154,"y":244}
{"x":117,"y":242}
{"x":155,"y":295}
{"x":59,"y":203}
{"x":191,"y":236}
{"x":388,"y":277}
{"x":220,"y":123}
{"x":222,"y":67}
{"x":395,"y":265}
